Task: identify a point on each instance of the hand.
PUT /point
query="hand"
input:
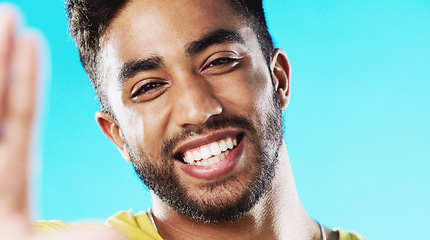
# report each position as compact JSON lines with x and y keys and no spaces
{"x":19,"y":65}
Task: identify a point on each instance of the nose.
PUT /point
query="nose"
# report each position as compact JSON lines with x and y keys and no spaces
{"x":195,"y":102}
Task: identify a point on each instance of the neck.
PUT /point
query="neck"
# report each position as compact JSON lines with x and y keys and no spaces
{"x":278,"y":215}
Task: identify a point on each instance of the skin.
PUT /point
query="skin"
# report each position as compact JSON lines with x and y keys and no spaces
{"x":19,"y":66}
{"x":189,"y":93}
{"x":277,"y":216}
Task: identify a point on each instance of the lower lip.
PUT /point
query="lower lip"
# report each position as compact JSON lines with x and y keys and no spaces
{"x":215,"y":170}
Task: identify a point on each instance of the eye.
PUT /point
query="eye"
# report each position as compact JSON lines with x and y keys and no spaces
{"x":221,"y":61}
{"x":221,"y":65}
{"x":147,"y":89}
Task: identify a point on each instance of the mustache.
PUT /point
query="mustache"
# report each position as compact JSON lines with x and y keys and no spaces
{"x":214,"y":123}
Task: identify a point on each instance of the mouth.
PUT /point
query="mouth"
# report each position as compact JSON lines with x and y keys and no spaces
{"x":209,"y":153}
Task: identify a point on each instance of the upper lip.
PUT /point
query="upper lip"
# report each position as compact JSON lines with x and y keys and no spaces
{"x":201,"y":140}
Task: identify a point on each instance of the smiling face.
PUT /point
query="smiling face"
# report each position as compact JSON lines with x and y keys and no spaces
{"x":195,"y":106}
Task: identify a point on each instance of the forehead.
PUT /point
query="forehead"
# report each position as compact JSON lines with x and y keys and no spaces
{"x":155,"y":26}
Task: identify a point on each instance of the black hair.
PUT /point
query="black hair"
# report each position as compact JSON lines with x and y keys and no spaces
{"x":89,"y":19}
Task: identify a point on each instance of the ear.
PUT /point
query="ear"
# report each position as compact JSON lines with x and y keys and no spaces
{"x":112,"y":131}
{"x":280,"y":69}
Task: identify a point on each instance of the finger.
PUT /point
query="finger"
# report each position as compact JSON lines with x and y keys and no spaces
{"x":22,"y":95}
{"x":7,"y":24}
{"x":18,"y":119}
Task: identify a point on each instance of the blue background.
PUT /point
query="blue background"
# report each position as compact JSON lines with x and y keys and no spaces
{"x":357,"y":127}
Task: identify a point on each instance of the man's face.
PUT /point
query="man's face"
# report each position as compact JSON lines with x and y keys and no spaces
{"x":194,"y":100}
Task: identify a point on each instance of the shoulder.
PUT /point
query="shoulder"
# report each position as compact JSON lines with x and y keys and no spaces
{"x":348,"y":235}
{"x":131,"y":226}
{"x":137,"y":226}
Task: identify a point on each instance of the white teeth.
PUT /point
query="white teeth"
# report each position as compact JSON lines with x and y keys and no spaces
{"x":211,"y":161}
{"x":217,"y":159}
{"x":215,"y":149}
{"x":197,"y":155}
{"x":229,"y":143}
{"x":189,"y":158}
{"x":205,"y":152}
{"x":210,"y":153}
{"x":223,"y":145}
{"x":206,"y":162}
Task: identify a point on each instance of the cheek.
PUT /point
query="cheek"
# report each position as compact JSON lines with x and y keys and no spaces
{"x":247,"y":90}
{"x":132,"y":125}
{"x":145,"y":127}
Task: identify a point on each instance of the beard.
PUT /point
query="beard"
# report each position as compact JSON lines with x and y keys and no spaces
{"x":225,"y":199}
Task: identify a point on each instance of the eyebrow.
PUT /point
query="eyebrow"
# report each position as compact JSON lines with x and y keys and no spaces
{"x":131,"y":68}
{"x":218,"y":36}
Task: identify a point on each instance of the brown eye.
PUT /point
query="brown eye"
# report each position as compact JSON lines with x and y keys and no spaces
{"x":146,"y":88}
{"x":221,"y":61}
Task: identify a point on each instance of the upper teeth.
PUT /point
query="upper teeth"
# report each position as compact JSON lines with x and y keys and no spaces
{"x":214,"y":150}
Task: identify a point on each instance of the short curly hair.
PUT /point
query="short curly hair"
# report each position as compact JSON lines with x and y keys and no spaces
{"x":89,"y":19}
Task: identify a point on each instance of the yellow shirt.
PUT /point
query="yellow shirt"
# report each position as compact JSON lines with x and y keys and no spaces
{"x":139,"y":226}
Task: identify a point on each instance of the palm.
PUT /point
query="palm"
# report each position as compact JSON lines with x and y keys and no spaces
{"x":18,"y":81}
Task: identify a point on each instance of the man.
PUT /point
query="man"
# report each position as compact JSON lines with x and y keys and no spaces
{"x":191,"y":94}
